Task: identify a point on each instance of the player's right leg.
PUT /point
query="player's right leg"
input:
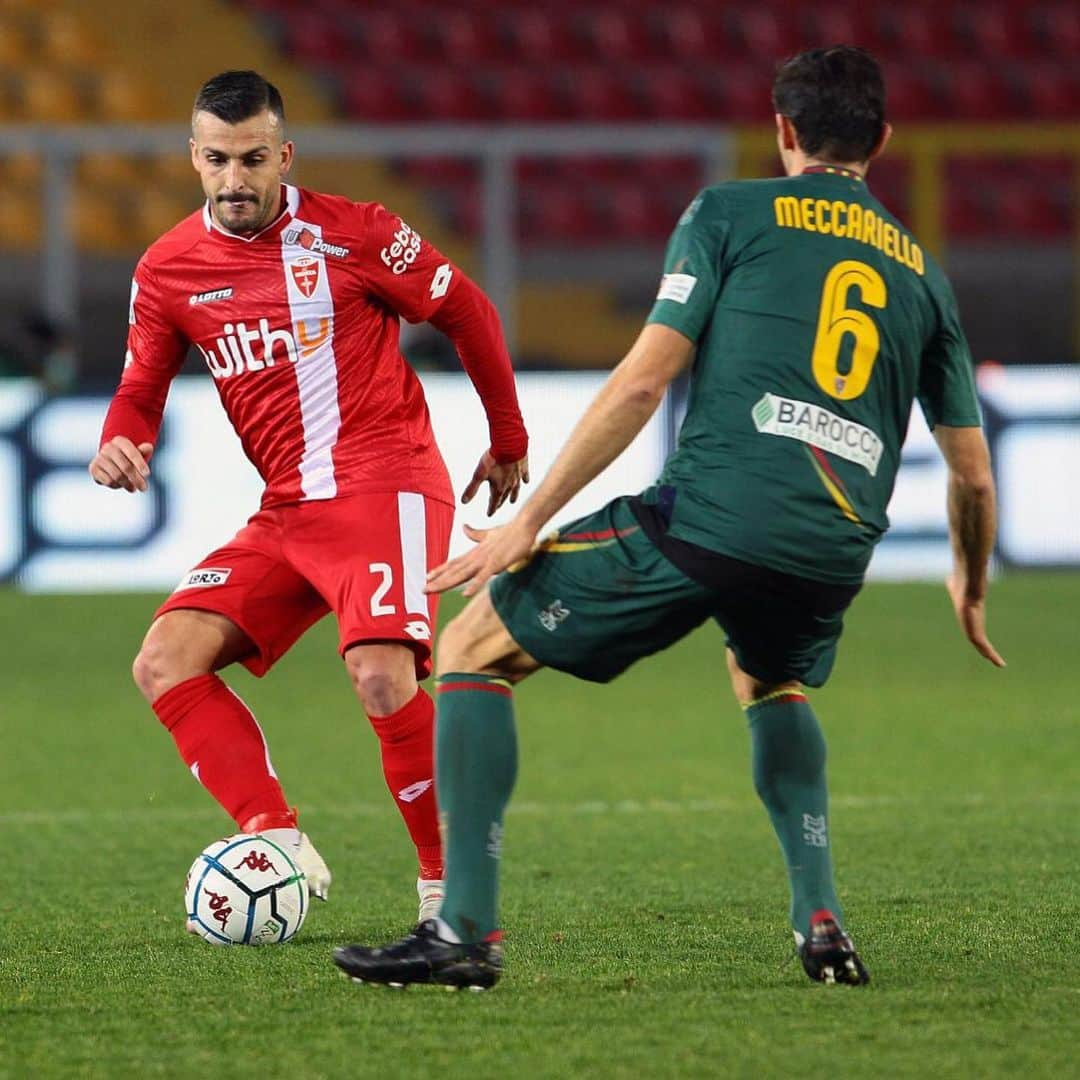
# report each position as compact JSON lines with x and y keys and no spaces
{"x":238,"y":605}
{"x":475,"y":769}
{"x":590,"y":602}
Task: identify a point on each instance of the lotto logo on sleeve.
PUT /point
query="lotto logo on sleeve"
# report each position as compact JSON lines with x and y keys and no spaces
{"x":205,"y":578}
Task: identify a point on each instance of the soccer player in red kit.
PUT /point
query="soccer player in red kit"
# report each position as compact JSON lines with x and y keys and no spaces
{"x":293,"y":299}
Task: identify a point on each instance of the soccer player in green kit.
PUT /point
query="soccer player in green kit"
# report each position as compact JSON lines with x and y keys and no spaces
{"x":812,"y":320}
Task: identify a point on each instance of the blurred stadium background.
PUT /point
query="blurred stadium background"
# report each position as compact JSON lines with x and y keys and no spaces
{"x":548,"y":148}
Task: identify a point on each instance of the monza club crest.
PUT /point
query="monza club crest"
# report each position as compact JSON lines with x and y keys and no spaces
{"x":305,"y":273}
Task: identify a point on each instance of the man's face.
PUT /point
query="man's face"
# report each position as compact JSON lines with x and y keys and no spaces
{"x":241,"y":167}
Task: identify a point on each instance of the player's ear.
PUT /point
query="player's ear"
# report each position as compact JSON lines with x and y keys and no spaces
{"x":883,"y":141}
{"x":194,"y":155}
{"x":785,"y":133}
{"x":286,"y":156}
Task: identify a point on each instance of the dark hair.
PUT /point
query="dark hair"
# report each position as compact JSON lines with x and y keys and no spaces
{"x":233,"y":96}
{"x":835,"y":98}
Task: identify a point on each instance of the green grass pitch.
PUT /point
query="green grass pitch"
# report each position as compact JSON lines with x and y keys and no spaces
{"x":644,"y":895}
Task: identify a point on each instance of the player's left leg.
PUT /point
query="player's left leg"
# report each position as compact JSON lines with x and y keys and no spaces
{"x":780,"y":634}
{"x":402,"y":715}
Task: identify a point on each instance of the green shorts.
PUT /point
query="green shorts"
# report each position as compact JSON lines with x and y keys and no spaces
{"x":599,"y":594}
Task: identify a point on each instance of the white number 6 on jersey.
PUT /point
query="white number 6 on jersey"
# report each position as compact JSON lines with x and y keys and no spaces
{"x":387,"y":572}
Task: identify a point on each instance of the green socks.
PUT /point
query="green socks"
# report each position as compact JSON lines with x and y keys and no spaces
{"x":789,"y":775}
{"x":475,"y":769}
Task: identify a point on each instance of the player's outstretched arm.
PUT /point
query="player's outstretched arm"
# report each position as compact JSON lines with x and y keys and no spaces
{"x":972,"y":526}
{"x":121,"y":464}
{"x":621,"y":409}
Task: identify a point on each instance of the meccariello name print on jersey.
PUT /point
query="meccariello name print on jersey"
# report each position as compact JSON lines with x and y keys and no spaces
{"x":241,"y":349}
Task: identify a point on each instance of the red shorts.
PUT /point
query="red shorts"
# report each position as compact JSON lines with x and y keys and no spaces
{"x":364,"y":557}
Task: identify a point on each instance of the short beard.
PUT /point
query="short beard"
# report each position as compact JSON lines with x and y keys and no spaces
{"x":260,"y":222}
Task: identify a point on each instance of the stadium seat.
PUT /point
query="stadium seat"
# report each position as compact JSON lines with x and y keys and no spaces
{"x":442,"y":95}
{"x":50,"y":97}
{"x":676,"y":94}
{"x":387,"y":38}
{"x":599,"y":94}
{"x":609,"y":35}
{"x":122,"y":96}
{"x":533,"y":37}
{"x":973,"y":90}
{"x":16,"y":46}
{"x":687,"y":34}
{"x":1057,"y":28}
{"x":1051,"y":90}
{"x":528,"y":96}
{"x":373,"y":96}
{"x":466,"y":38}
{"x":66,"y":40}
{"x":20,"y":219}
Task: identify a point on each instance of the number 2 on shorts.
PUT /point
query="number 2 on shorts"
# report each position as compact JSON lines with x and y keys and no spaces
{"x":387,"y":573}
{"x":835,"y":319}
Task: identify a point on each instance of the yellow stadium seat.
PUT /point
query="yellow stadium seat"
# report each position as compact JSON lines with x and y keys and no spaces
{"x":21,"y":170}
{"x":50,"y":97}
{"x":16,"y":50}
{"x":96,"y":221}
{"x":123,"y":97}
{"x":110,"y":170}
{"x":157,"y":212}
{"x":66,"y":40}
{"x":20,"y":220}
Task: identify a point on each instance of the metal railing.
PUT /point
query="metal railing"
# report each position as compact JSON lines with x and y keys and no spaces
{"x":495,"y":149}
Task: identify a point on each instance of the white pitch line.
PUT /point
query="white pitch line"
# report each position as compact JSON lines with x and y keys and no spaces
{"x":524,"y":808}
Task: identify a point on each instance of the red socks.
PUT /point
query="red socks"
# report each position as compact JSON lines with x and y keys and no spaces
{"x":408,"y":744}
{"x":223,"y":745}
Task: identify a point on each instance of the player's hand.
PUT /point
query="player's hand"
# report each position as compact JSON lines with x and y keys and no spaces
{"x":504,"y":481}
{"x":971,"y":614}
{"x":122,"y":464}
{"x":495,"y":550}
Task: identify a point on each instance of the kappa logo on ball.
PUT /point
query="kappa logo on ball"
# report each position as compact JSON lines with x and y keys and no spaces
{"x":305,"y":273}
{"x":205,"y":578}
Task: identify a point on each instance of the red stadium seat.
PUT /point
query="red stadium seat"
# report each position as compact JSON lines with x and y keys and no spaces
{"x":525,"y":95}
{"x":673,"y":93}
{"x":767,"y":34}
{"x":447,"y":94}
{"x":375,"y":96}
{"x":742,"y":91}
{"x":597,"y":95}
{"x":465,"y":38}
{"x":908,"y":95}
{"x":688,"y":34}
{"x":909,"y":32}
{"x":610,"y":36}
{"x":1057,"y":27}
{"x":385,"y":38}
{"x":993,"y":31}
{"x":972,"y":90}
{"x":537,"y":38}
{"x":312,"y":38}
{"x":1051,"y":91}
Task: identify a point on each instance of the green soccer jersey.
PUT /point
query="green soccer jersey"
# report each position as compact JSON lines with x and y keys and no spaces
{"x":818,"y":321}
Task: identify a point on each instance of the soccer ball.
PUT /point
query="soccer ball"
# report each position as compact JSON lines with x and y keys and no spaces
{"x":245,"y":890}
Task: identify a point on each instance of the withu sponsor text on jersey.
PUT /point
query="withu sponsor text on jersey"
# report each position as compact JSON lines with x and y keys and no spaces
{"x":241,"y":349}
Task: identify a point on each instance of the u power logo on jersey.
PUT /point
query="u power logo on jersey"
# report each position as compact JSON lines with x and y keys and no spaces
{"x":240,"y":349}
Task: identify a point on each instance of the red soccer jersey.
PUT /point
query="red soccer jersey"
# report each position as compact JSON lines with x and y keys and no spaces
{"x":298,"y":326}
